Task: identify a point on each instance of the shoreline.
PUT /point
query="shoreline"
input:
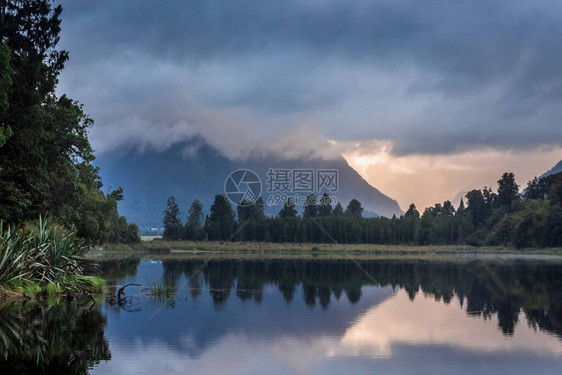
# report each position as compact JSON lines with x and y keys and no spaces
{"x":288,"y":251}
{"x":33,"y":291}
{"x":168,"y":246}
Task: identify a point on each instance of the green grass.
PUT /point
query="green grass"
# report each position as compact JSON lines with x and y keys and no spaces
{"x":327,"y":248}
{"x":159,"y":289}
{"x":91,"y":283}
{"x":307,"y":251}
{"x":54,"y":288}
{"x":30,"y":288}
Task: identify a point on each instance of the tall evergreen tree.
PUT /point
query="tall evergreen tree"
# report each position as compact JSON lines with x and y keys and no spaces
{"x":194,"y":224}
{"x":354,"y":209}
{"x":476,"y":206}
{"x":196,"y":217}
{"x":412,"y":211}
{"x":288,"y":210}
{"x":508,"y":190}
{"x":310,"y":207}
{"x":325,"y":206}
{"x":253,"y":211}
{"x":425,"y":236}
{"x":411,"y":221}
{"x":338,"y":210}
{"x":490,"y":198}
{"x":172,"y":221}
{"x":460,"y":210}
{"x":221,"y":221}
{"x":448,"y":209}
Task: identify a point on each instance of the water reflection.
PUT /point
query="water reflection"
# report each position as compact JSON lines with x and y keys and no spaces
{"x":487,"y":289}
{"x":379,"y":328}
{"x":297,"y":316}
{"x":52,"y":337}
{"x":280,"y":316}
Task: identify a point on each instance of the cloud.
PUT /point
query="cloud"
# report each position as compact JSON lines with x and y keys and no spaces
{"x":425,"y":179}
{"x":481,"y":74}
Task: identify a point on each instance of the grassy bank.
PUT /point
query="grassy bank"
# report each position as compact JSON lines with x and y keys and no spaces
{"x":178,"y":246}
{"x":44,"y":259}
{"x":249,"y":250}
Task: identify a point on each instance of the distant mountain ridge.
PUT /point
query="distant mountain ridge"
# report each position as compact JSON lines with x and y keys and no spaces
{"x":556,"y":169}
{"x":148,"y":178}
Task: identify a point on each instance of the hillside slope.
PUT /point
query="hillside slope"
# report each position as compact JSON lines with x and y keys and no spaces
{"x":150,"y":177}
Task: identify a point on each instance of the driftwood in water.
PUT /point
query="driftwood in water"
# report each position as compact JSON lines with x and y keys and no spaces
{"x":121,"y":293}
{"x":122,"y":299}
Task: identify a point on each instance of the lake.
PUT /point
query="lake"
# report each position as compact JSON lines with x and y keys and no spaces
{"x":276,"y":316}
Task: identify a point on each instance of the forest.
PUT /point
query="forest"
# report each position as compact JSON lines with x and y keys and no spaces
{"x":504,"y":217}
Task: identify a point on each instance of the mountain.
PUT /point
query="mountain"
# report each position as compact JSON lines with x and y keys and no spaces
{"x":556,"y":169}
{"x":148,"y":178}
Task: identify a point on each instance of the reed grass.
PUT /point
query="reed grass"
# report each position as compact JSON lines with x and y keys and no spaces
{"x":157,"y":288}
{"x":44,"y":258}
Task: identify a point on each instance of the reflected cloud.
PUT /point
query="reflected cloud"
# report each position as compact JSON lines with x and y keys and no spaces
{"x":382,"y":336}
{"x":437,"y":323}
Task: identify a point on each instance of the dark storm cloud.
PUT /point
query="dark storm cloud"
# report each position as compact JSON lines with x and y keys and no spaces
{"x":482,"y":73}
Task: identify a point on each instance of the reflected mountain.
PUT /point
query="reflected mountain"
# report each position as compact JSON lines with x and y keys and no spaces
{"x":294,"y":289}
{"x":298,"y":316}
{"x":232,"y":289}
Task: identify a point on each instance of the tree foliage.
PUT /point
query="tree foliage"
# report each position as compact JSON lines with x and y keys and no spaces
{"x":221,"y":222}
{"x":195,"y":221}
{"x":508,"y":190}
{"x":354,"y":209}
{"x":172,"y":222}
{"x":45,"y":155}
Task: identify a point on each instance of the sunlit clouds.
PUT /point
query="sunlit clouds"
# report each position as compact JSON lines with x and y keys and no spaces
{"x":425,"y":179}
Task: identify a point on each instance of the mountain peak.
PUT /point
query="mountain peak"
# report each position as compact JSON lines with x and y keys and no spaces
{"x":149,"y":177}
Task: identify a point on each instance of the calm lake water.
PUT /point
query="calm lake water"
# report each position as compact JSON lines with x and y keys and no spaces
{"x":301,"y":317}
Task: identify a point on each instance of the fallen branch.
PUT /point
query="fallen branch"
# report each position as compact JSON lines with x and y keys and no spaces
{"x":121,"y":293}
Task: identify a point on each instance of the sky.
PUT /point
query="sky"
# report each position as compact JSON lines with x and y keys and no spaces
{"x":425,"y":99}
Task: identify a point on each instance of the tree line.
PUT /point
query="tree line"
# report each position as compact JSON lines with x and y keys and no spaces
{"x":505,"y":217}
{"x":45,"y":155}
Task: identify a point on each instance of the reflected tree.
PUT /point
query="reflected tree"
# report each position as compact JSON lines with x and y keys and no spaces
{"x":58,"y":338}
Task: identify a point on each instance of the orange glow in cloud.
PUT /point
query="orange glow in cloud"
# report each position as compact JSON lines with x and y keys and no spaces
{"x":428,"y":179}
